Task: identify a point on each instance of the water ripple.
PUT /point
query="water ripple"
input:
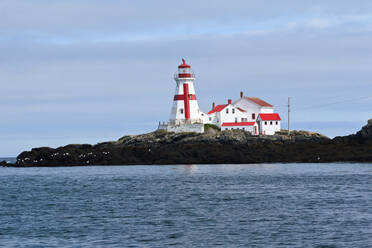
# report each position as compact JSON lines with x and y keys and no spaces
{"x":276,"y":205}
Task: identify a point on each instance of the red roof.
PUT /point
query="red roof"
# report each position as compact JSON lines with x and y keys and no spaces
{"x":184,"y":65}
{"x":233,"y":124}
{"x":218,"y":108}
{"x":270,"y":117}
{"x":259,"y":101}
{"x":241,"y":110}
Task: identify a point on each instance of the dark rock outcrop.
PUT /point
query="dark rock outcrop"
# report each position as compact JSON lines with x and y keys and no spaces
{"x":362,"y":136}
{"x":366,"y":132}
{"x":211,"y":147}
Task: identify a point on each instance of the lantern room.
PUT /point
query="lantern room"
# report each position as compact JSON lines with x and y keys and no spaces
{"x":184,"y":71}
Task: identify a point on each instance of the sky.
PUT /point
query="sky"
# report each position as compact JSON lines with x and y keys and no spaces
{"x":88,"y":71}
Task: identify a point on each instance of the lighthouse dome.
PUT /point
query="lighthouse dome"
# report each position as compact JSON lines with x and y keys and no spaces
{"x":184,"y":71}
{"x":184,"y":65}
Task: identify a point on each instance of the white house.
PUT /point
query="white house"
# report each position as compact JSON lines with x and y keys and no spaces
{"x":255,"y":107}
{"x":228,"y":116}
{"x":226,"y":113}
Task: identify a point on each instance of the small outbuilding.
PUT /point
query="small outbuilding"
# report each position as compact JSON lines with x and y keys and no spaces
{"x":268,"y":124}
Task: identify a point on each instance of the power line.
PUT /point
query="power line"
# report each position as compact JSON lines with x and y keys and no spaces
{"x":333,"y":103}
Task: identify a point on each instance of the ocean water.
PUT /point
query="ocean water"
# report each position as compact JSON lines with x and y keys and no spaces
{"x":256,"y":205}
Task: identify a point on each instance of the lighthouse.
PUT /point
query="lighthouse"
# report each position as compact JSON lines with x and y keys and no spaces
{"x":249,"y":114}
{"x":185,"y":108}
{"x":185,"y":113}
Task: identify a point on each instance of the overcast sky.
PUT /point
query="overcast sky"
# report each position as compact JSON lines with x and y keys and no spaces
{"x":86,"y":71}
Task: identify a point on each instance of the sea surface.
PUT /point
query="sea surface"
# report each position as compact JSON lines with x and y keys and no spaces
{"x":255,"y":205}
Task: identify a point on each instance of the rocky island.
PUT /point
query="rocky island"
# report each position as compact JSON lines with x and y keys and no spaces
{"x":211,"y":147}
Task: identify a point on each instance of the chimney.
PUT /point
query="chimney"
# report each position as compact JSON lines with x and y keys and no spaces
{"x":241,"y":94}
{"x":213,"y":105}
{"x":229,"y":101}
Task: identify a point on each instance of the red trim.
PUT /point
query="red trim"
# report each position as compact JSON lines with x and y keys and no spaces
{"x":184,"y":75}
{"x":270,"y":117}
{"x":184,"y":65}
{"x":259,"y":101}
{"x":182,"y":97}
{"x":186,"y":101}
{"x":218,"y":108}
{"x":241,"y":110}
{"x":234,"y":124}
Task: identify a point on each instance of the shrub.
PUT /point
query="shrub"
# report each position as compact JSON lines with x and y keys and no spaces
{"x":208,"y":126}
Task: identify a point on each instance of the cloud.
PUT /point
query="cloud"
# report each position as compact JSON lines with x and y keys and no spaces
{"x":40,"y":18}
{"x":91,"y":69}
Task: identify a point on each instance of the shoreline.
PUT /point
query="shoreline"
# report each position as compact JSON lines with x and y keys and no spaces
{"x":13,"y":165}
{"x":214,"y":147}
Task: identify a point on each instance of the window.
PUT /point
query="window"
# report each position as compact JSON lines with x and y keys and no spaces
{"x":210,"y":118}
{"x":244,"y":128}
{"x":271,"y":122}
{"x":244,"y":120}
{"x":265,"y":122}
{"x":253,"y":116}
{"x":181,"y":110}
{"x":202,"y":114}
{"x":236,"y":119}
{"x":227,"y":111}
{"x":233,"y":111}
{"x":276,"y":123}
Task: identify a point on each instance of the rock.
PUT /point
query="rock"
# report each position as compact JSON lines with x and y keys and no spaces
{"x":214,"y":146}
{"x":214,"y":136}
{"x":366,"y":132}
{"x":211,"y":131}
{"x":3,"y":163}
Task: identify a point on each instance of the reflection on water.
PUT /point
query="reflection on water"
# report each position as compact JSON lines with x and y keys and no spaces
{"x":189,"y":168}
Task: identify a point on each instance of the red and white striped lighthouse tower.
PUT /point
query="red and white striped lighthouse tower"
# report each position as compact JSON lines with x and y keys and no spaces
{"x":185,"y":107}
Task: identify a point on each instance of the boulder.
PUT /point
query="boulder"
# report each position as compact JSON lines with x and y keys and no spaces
{"x":366,"y":131}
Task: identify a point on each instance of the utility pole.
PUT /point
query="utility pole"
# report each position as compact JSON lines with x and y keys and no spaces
{"x":289,"y":111}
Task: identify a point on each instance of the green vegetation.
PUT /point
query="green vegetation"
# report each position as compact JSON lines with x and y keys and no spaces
{"x":208,"y":126}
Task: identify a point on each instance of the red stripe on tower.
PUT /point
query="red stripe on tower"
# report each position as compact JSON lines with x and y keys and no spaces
{"x":186,"y":101}
{"x":182,"y":97}
{"x":186,"y":97}
{"x":184,"y":75}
